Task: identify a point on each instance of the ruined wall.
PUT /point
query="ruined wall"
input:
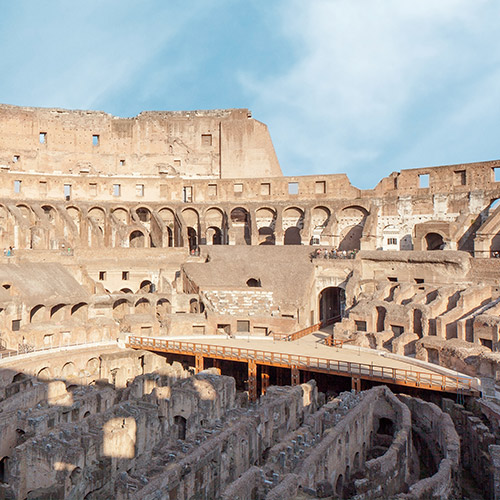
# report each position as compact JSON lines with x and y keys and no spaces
{"x":207,"y":144}
{"x":437,"y":435}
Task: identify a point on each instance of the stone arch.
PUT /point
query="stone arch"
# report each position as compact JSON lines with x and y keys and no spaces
{"x":214,"y":236}
{"x":339,"y":485}
{"x":80,"y":311}
{"x":144,"y":215}
{"x":146,"y":287}
{"x":57,"y":312}
{"x":351,"y":223}
{"x":172,"y":227}
{"x":163,"y":309}
{"x":143,"y":306}
{"x":265,"y":219}
{"x":50,"y":212}
{"x":240,"y":222}
{"x":122,"y":215}
{"x":44,"y":373}
{"x":331,"y":304}
{"x":68,"y":370}
{"x":194,"y":306}
{"x":292,"y":224}
{"x":192,"y":238}
{"x":214,"y":217}
{"x":192,"y":220}
{"x":26,"y":212}
{"x":137,"y":239}
{"x":75,"y":215}
{"x":434,"y":241}
{"x":37,"y":314}
{"x":126,"y":290}
{"x":92,"y":367}
{"x":120,"y":309}
{"x":97,"y":215}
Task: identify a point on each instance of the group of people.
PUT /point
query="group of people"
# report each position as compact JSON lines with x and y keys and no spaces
{"x":8,"y":252}
{"x":495,"y":255}
{"x":324,"y":253}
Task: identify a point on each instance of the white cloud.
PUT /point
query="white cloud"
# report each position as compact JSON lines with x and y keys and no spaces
{"x":369,"y":73}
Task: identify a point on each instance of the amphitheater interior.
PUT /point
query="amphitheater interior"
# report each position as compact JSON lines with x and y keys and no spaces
{"x":181,"y":321}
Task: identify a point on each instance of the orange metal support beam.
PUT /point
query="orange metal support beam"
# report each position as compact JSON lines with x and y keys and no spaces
{"x":252,"y":381}
{"x":264,"y":379}
{"x":199,"y":363}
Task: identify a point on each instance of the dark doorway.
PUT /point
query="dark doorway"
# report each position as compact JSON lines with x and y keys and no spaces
{"x":181,"y":423}
{"x":434,"y":241}
{"x":292,"y":236}
{"x":331,"y":303}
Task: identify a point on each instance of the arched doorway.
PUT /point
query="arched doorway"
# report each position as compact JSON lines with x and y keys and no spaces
{"x":434,"y":241}
{"x":137,"y":240}
{"x":192,"y":238}
{"x":331,"y":303}
{"x":214,"y":236}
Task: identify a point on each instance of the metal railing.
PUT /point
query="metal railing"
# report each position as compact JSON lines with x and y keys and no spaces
{"x":383,"y":374}
{"x":27,"y":349}
{"x":290,"y":337}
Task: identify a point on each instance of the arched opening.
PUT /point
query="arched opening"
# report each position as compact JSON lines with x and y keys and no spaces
{"x":417,"y":322}
{"x":292,"y":236}
{"x":181,"y":424}
{"x":254,"y":283}
{"x":214,"y":236}
{"x":192,"y":238}
{"x":93,"y":367}
{"x":121,"y":215}
{"x":143,"y":214}
{"x":142,"y":306}
{"x":146,"y":287}
{"x":79,"y":311}
{"x":68,"y":370}
{"x":173,"y":231}
{"x":194,"y":306}
{"x":57,"y":313}
{"x":292,"y":223}
{"x":50,"y":213}
{"x":434,"y":241}
{"x":137,"y":239}
{"x":331,"y":303}
{"x":240,"y":221}
{"x":37,"y":314}
{"x":163,"y":309}
{"x":215,"y":221}
{"x":381,"y":312}
{"x":266,"y":236}
{"x":339,"y":485}
{"x":120,"y":309}
{"x":265,"y":219}
{"x":44,"y":374}
{"x":4,"y":468}
{"x":126,"y":290}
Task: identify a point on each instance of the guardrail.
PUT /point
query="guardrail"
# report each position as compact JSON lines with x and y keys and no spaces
{"x":290,"y":337}
{"x":7,"y":354}
{"x":383,"y":374}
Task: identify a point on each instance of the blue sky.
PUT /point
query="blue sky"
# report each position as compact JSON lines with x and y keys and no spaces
{"x":365,"y":87}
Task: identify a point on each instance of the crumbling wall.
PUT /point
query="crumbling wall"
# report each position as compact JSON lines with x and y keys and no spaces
{"x":436,"y":430}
